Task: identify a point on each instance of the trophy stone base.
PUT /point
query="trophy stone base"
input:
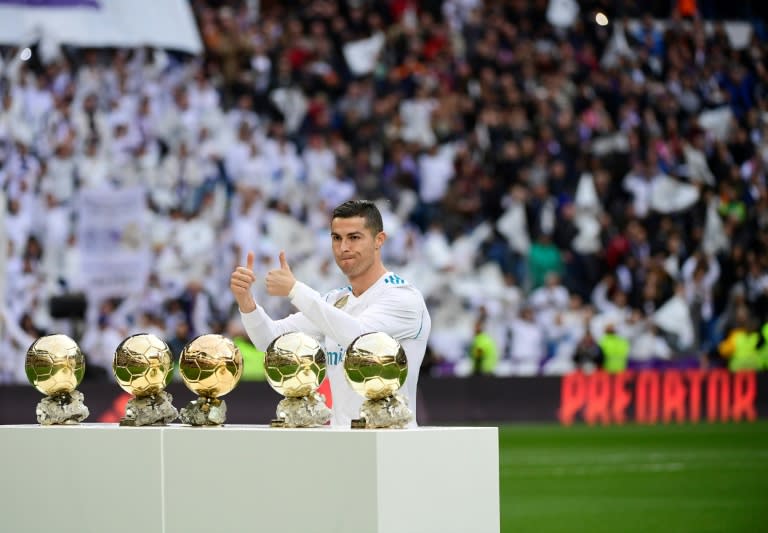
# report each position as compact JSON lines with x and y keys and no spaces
{"x":152,"y":410}
{"x":391,"y":412}
{"x":204,"y":412}
{"x":307,"y":411}
{"x":63,"y":408}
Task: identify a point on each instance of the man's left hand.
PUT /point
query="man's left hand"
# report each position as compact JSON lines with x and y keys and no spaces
{"x":280,"y":281}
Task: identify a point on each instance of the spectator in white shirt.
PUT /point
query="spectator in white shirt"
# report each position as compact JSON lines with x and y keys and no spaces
{"x":639,"y":183}
{"x":337,"y":189}
{"x":60,"y":176}
{"x":38,"y":102}
{"x":319,"y":162}
{"x":416,"y":115}
{"x":549,"y":299}
{"x":203,"y":97}
{"x":90,"y":121}
{"x":699,"y":274}
{"x":92,"y":167}
{"x":99,"y":344}
{"x":527,"y":344}
{"x":10,"y":115}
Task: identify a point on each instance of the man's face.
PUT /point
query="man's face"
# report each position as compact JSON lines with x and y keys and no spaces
{"x":355,"y":248}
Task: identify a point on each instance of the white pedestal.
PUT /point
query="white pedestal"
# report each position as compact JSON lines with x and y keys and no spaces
{"x":106,"y":478}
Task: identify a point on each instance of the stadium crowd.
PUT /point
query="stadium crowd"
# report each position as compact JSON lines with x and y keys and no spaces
{"x":564,"y":195}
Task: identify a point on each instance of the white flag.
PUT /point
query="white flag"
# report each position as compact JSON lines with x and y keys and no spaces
{"x":562,"y":13}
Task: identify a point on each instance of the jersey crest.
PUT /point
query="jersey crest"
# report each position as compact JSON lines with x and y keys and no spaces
{"x":341,"y":302}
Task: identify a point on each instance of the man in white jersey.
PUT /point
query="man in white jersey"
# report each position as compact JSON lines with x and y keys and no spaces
{"x":375,"y":300}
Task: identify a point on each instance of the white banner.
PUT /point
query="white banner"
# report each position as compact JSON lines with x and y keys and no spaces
{"x":124,"y":23}
{"x":114,"y":247}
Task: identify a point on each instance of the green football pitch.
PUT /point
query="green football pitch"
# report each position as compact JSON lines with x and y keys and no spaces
{"x":651,"y":479}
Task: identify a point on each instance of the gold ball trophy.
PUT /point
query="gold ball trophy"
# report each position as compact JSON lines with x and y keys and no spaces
{"x":211,"y":366}
{"x":295,"y":367}
{"x":55,"y":366}
{"x":376,"y":367}
{"x":143,"y":365}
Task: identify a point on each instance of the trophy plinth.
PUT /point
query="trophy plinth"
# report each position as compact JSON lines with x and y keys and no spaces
{"x":152,"y":410}
{"x":376,"y":367}
{"x":295,"y":367}
{"x":55,"y":366}
{"x":204,"y":412}
{"x":62,"y":408}
{"x":142,"y":367}
{"x":211,"y":366}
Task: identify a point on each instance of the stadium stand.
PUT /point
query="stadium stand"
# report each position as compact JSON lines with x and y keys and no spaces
{"x":539,"y":180}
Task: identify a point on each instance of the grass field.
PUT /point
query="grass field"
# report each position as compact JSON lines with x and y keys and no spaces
{"x":677,"y":478}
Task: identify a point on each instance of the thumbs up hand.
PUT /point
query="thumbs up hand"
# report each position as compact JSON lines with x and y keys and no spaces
{"x":240,"y":284}
{"x":284,"y":262}
{"x":280,"y":281}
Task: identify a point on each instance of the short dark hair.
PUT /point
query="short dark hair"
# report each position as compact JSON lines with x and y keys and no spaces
{"x":361,"y":208}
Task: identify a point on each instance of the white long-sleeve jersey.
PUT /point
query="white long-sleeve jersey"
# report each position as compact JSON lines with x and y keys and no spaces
{"x":391,"y":305}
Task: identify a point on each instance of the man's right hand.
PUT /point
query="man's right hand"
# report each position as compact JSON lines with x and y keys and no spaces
{"x":240,"y":284}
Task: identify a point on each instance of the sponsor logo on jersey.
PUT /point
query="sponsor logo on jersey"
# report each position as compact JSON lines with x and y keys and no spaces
{"x":335,"y":357}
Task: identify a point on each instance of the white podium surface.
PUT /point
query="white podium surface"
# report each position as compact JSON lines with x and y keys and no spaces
{"x":104,"y":478}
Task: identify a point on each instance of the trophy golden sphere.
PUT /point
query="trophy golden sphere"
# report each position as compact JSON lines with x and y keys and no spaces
{"x":142,"y":364}
{"x":211,"y":365}
{"x":375,"y":365}
{"x":294,"y":364}
{"x":54,"y":364}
